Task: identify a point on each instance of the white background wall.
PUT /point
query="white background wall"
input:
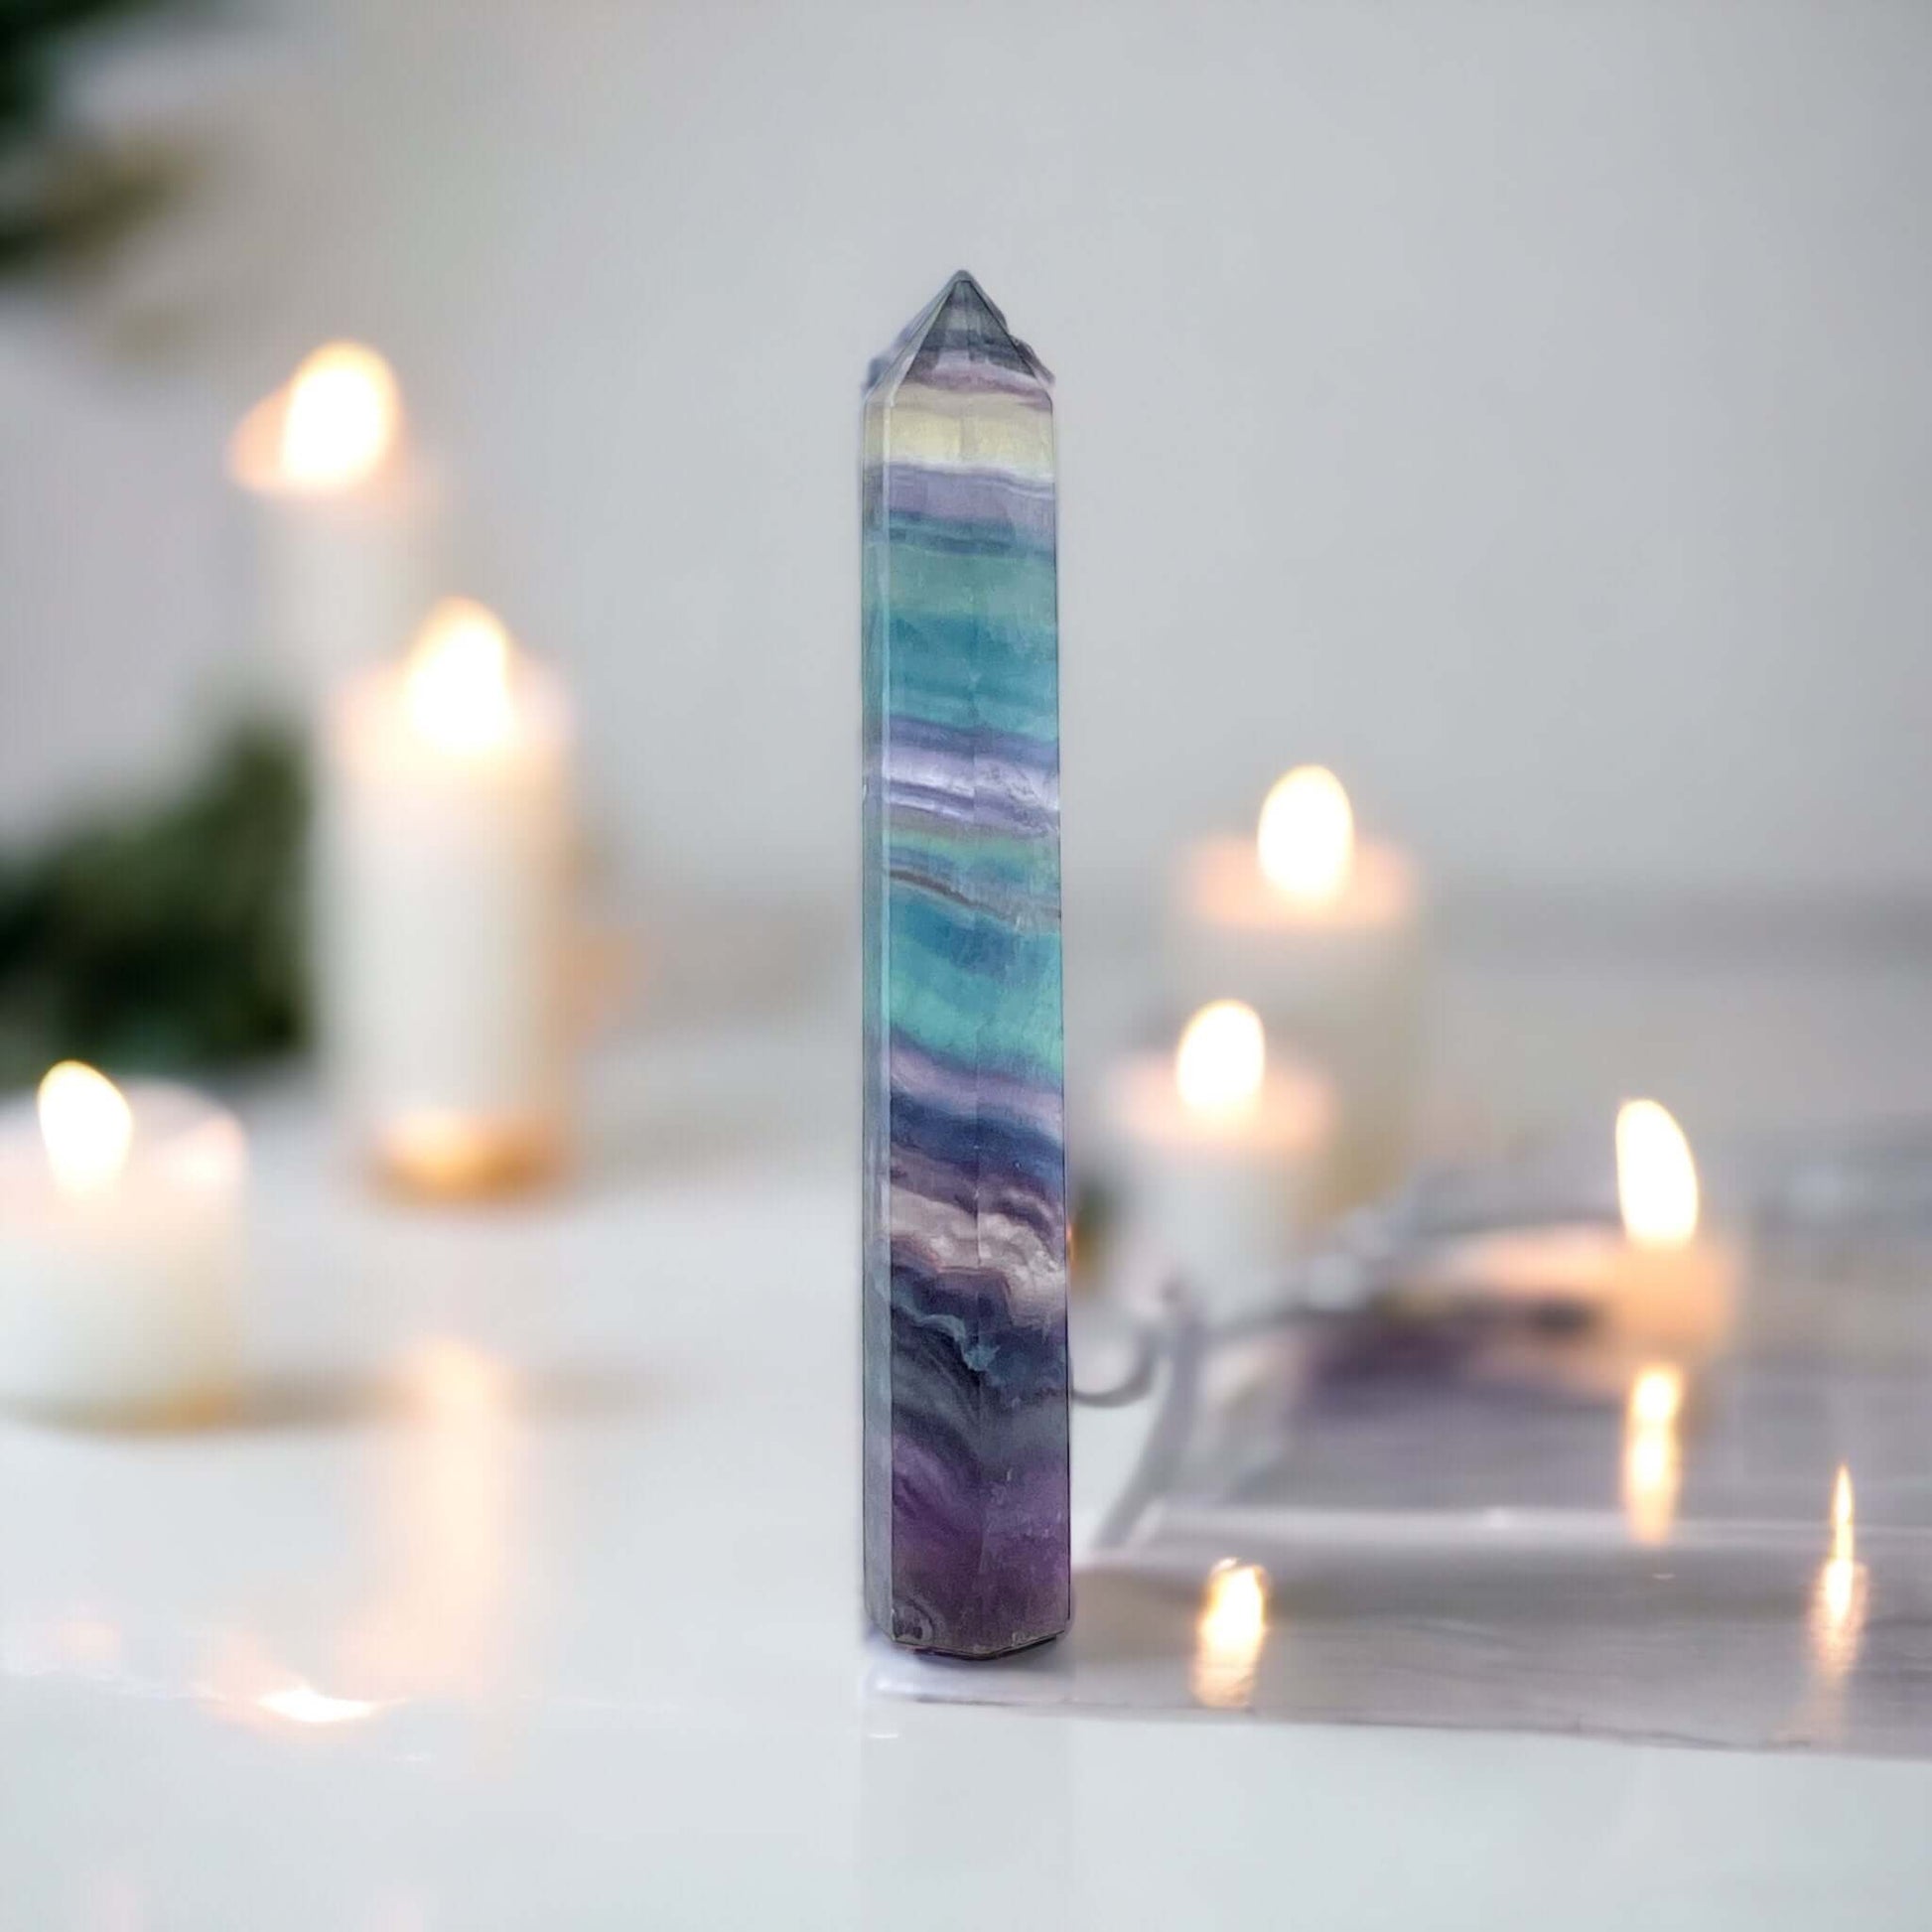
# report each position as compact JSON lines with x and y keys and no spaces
{"x":1523,"y":407}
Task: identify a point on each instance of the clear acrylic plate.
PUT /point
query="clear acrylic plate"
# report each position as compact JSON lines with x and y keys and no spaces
{"x":1472,"y":1519}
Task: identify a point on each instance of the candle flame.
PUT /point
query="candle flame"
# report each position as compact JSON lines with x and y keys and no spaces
{"x":340,"y":418}
{"x":86,"y":1125}
{"x":1222,"y":1056}
{"x":1307,"y":835}
{"x":456,"y":680}
{"x":1656,"y":1178}
{"x":1230,"y":1633}
{"x":1652,"y":1458}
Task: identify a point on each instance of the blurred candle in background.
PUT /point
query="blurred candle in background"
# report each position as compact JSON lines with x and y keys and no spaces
{"x":1225,"y":1155}
{"x":1673,"y":1285}
{"x":1656,"y":1282}
{"x":442,"y":859}
{"x":1320,"y":932}
{"x":347,"y":543}
{"x":121,"y":1251}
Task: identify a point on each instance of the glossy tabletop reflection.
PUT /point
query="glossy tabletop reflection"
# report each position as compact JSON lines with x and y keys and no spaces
{"x":526,"y":1595}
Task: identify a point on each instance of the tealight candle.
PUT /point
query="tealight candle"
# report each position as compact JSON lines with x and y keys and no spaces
{"x":443,"y":857}
{"x":1658,"y":1284}
{"x":1319,"y":931}
{"x":120,"y":1241}
{"x":1225,"y":1155}
{"x":348,"y":545}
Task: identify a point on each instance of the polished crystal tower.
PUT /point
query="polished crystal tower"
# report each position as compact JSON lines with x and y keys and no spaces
{"x":965,"y":1193}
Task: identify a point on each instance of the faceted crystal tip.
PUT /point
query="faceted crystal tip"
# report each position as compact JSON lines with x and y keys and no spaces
{"x":961,"y":324}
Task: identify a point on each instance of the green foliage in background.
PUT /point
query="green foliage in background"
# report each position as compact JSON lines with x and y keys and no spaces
{"x":164,"y":939}
{"x":67,"y":189}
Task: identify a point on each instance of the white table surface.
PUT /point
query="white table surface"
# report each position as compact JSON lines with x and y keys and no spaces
{"x":552,"y":1512}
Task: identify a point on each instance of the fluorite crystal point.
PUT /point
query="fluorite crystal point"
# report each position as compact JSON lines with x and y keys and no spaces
{"x":965,"y":1192}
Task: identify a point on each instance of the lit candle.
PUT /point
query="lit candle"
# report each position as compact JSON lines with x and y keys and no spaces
{"x":1319,"y":931}
{"x":347,"y":546}
{"x":444,"y":851}
{"x":1225,"y":1153}
{"x":1658,"y":1283}
{"x":120,"y":1238}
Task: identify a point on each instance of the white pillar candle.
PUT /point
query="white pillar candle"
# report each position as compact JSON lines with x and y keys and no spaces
{"x":1658,"y":1285}
{"x":444,"y":851}
{"x":1321,"y":934}
{"x":120,"y":1243}
{"x":348,"y":548}
{"x":1224,"y":1154}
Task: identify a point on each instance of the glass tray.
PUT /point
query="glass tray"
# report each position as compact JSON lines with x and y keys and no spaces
{"x":1363,"y":1517}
